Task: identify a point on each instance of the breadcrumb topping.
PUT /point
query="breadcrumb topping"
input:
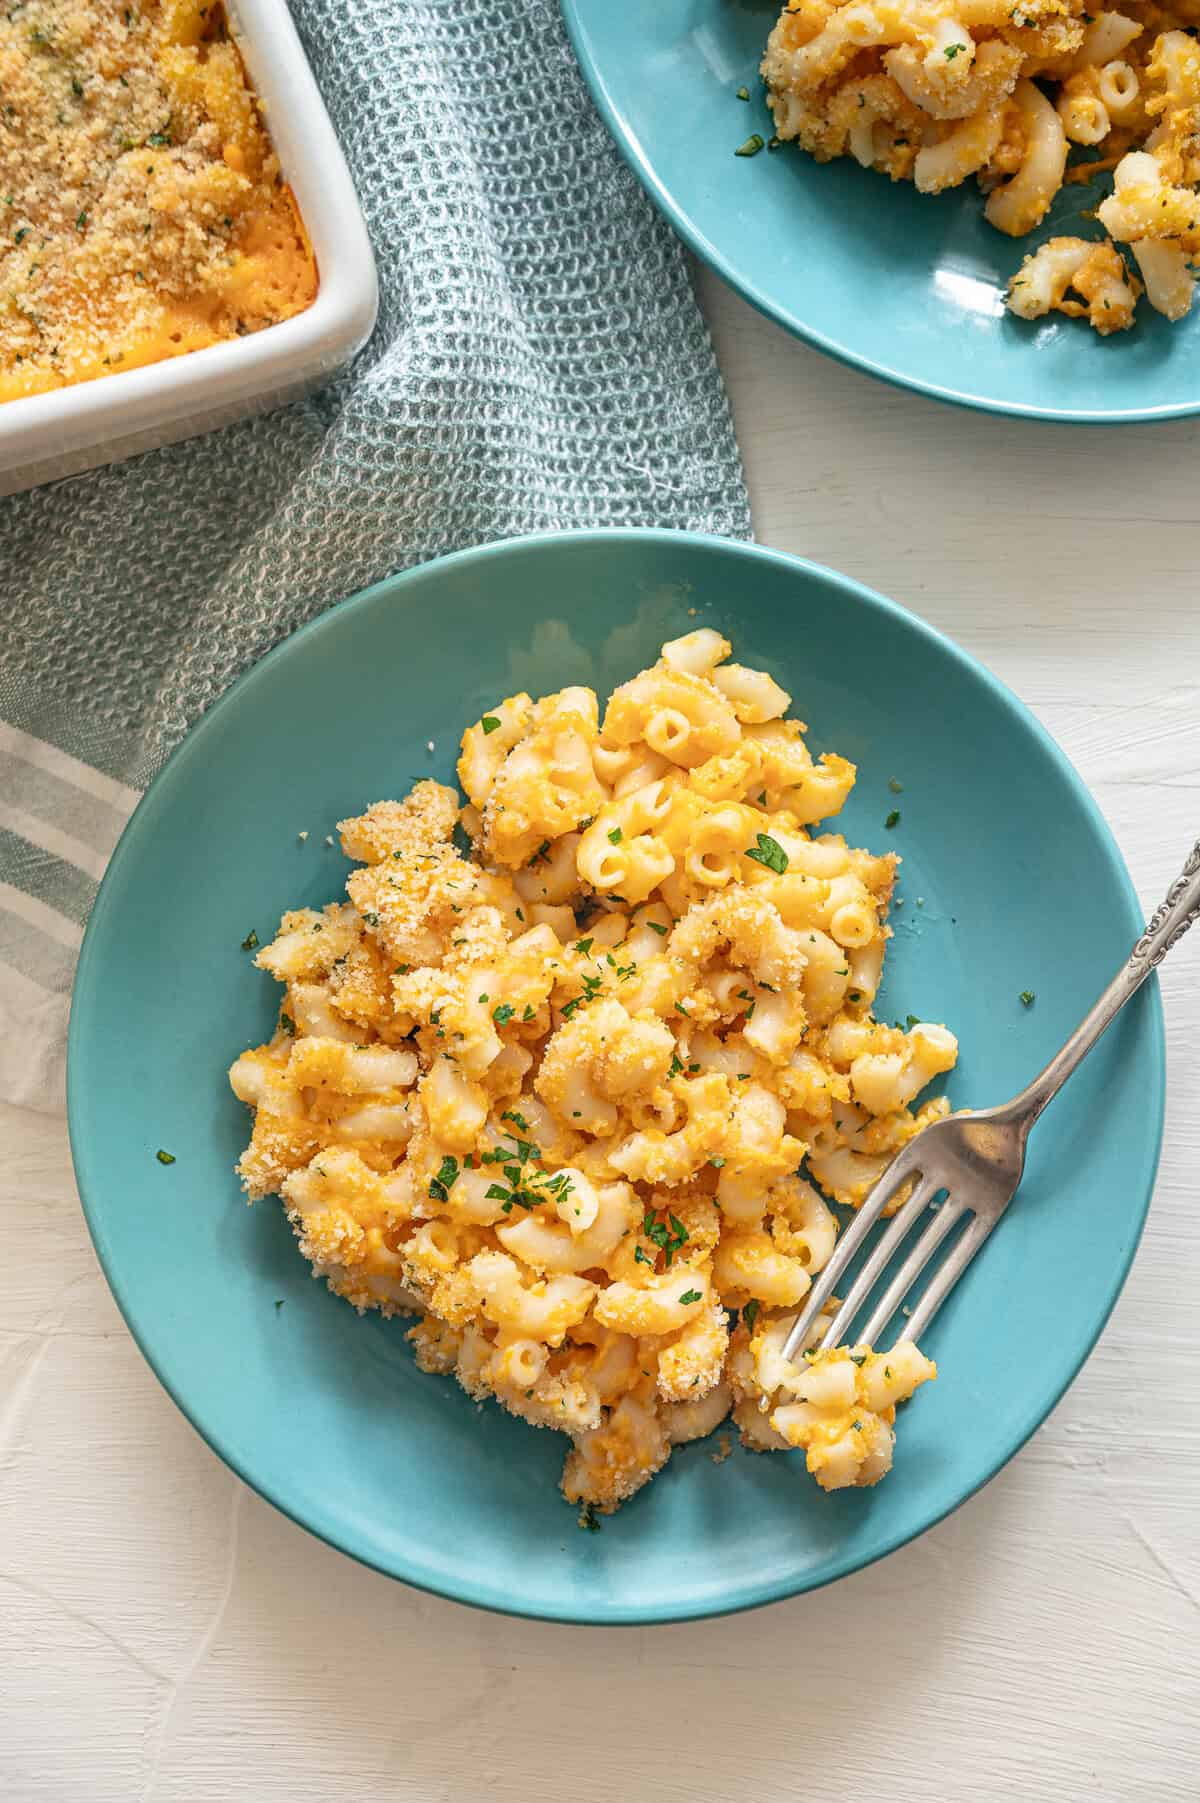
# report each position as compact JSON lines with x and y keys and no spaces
{"x":142,"y":210}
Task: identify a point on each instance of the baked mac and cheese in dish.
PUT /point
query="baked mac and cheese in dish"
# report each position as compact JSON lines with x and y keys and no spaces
{"x":552,"y":1090}
{"x":142,"y":210}
{"x":935,"y":91}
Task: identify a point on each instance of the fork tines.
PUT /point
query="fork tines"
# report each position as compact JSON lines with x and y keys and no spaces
{"x":905,"y":1168}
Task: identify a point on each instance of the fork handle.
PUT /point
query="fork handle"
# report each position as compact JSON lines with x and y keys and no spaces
{"x":1165,"y":928}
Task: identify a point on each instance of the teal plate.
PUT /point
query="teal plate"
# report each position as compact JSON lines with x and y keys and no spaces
{"x":1011,"y":881}
{"x":906,"y":286}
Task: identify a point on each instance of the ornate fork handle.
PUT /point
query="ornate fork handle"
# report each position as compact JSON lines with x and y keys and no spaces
{"x":1171,"y":921}
{"x":1165,"y":928}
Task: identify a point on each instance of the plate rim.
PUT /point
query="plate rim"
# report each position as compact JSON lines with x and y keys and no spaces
{"x":479,"y":1595}
{"x":724,"y":266}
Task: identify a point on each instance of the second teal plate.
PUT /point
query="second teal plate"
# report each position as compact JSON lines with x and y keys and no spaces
{"x":905,"y":286}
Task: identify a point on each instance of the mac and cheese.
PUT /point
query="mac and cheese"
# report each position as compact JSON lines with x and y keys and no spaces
{"x":553,"y":1093}
{"x":934,"y":91}
{"x":142,"y":211}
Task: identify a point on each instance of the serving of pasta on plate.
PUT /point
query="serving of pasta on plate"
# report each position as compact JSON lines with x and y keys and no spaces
{"x":935,"y":91}
{"x":575,"y":1071}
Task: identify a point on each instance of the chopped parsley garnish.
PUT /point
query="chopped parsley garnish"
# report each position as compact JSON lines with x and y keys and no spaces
{"x":615,"y":837}
{"x":81,"y":218}
{"x":518,"y":1120}
{"x":750,"y":1314}
{"x":751,"y":147}
{"x":528,"y":1014}
{"x":668,"y":1235}
{"x":893,"y":819}
{"x":370,"y":916}
{"x":441,"y":1185}
{"x":676,"y":1066}
{"x":718,"y":1164}
{"x":402,"y":970}
{"x":952,"y":51}
{"x":857,"y":1426}
{"x":503,"y":1014}
{"x":583,"y":947}
{"x":1028,"y":998}
{"x":541,"y":852}
{"x":911,"y":1021}
{"x":691,"y":1296}
{"x":287,"y":1023}
{"x":682,"y":1009}
{"x":489,"y":723}
{"x":279,"y":1304}
{"x":165,"y":1157}
{"x":587,"y":1518}
{"x":655,"y":928}
{"x":484,"y":997}
{"x":250,"y":941}
{"x":770,"y":853}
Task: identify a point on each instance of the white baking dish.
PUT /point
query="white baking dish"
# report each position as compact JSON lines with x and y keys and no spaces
{"x":71,"y":429}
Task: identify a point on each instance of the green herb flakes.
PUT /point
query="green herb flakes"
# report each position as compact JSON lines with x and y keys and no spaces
{"x":441,"y":1185}
{"x":768,"y":852}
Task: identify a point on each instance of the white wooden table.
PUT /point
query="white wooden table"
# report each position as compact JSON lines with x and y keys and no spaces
{"x":166,"y":1637}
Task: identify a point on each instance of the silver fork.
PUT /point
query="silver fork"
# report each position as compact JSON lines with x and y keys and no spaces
{"x":977,"y":1158}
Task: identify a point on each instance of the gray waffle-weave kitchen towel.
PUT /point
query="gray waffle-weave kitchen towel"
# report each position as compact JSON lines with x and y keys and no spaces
{"x":539,"y":363}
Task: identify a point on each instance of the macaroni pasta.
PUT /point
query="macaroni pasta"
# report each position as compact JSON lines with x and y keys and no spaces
{"x":935,"y":91}
{"x":553,"y":1093}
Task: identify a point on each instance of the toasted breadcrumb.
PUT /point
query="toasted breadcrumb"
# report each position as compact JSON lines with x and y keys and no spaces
{"x":142,"y":210}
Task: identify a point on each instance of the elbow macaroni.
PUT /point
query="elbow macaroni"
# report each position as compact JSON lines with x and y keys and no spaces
{"x":934,"y":91}
{"x":570,"y":1140}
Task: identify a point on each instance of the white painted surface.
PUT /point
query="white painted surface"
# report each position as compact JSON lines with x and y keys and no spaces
{"x":165,"y":1637}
